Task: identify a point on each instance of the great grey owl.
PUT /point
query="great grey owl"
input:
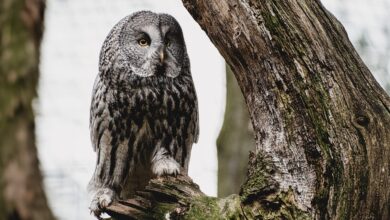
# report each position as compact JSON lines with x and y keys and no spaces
{"x":144,"y":111}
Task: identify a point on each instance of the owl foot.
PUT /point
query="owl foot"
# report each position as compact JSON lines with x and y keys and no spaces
{"x":102,"y":198}
{"x":165,"y":166}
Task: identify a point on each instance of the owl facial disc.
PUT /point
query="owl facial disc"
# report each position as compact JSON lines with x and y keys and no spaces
{"x":153,"y":44}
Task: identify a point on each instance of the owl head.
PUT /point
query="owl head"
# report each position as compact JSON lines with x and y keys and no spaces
{"x":145,"y":44}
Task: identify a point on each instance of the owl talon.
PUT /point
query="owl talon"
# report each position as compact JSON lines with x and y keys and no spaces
{"x":101,"y":199}
{"x":166,"y":167}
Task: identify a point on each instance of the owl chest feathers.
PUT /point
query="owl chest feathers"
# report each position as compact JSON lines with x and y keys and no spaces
{"x":146,"y":111}
{"x":164,"y":100}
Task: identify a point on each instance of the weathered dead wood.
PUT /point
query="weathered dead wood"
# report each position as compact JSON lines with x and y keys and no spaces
{"x":175,"y":198}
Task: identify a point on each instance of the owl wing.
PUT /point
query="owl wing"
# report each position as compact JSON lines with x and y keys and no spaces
{"x":98,"y":122}
{"x":192,"y":130}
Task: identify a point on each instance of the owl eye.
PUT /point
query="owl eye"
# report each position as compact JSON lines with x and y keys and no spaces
{"x":143,"y":42}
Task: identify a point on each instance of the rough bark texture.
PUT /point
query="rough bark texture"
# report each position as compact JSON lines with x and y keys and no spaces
{"x":235,"y":139}
{"x":176,"y":198}
{"x":21,"y":191}
{"x":320,"y":119}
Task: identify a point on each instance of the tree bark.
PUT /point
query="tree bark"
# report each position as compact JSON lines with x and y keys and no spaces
{"x":21,"y":191}
{"x":320,"y":119}
{"x":235,"y":139}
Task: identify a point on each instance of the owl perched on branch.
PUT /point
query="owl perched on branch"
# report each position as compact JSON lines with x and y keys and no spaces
{"x":144,"y":111}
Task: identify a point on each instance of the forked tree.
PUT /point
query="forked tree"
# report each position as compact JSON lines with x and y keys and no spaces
{"x":321,"y":121}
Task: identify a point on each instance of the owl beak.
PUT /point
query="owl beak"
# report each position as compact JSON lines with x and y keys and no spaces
{"x":161,"y":56}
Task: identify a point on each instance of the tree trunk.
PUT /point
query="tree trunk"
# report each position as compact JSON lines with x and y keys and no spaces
{"x":235,"y":139}
{"x":320,"y":119}
{"x":21,"y":191}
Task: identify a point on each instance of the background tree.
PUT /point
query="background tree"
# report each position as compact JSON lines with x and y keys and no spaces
{"x":320,"y":120}
{"x":235,"y":139}
{"x":21,"y":191}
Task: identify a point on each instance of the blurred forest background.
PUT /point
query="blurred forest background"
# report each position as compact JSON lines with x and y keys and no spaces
{"x":73,"y":33}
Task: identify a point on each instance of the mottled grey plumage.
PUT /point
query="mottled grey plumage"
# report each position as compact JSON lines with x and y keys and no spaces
{"x":144,"y":112}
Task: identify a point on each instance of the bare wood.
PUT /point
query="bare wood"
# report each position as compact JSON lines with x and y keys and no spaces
{"x":169,"y":198}
{"x":320,"y":119}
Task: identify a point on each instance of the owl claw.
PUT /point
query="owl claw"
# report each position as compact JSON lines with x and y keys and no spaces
{"x":166,"y":166}
{"x":96,"y":214}
{"x":101,"y":199}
